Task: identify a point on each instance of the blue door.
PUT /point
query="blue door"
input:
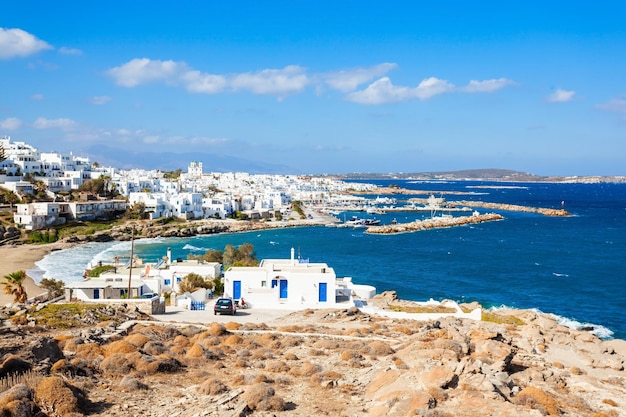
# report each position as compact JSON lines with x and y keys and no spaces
{"x":236,"y":290}
{"x":96,"y":293}
{"x":283,"y":288}
{"x":323,"y":292}
{"x":274,"y":283}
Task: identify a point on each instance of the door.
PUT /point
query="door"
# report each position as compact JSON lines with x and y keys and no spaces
{"x":283,"y":288}
{"x":96,"y":293}
{"x":236,"y":290}
{"x":323,"y":289}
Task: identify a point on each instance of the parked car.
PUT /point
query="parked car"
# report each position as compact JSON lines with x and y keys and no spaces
{"x":225,"y":306}
{"x":149,"y":295}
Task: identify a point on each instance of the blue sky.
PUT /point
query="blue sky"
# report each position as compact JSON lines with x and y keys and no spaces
{"x":321,"y":87}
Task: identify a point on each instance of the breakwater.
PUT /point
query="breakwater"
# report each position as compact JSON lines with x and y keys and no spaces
{"x":433,"y":223}
{"x":513,"y":207}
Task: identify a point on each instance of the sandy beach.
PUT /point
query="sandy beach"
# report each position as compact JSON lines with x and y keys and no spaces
{"x":15,"y":258}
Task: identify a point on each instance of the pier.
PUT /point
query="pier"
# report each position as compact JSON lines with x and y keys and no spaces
{"x":433,"y":223}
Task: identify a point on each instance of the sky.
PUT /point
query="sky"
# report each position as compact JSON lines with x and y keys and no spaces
{"x":320,"y":86}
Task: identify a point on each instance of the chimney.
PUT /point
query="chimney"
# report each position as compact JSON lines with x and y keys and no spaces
{"x":293,"y":256}
{"x":169,"y":256}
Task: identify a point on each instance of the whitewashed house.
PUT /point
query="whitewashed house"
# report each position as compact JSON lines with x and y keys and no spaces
{"x":279,"y":283}
{"x":146,"y":280}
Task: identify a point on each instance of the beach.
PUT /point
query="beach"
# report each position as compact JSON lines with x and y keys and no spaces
{"x":18,"y":257}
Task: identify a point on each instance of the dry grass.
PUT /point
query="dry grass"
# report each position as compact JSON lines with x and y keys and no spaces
{"x":29,"y":378}
{"x":261,"y":397}
{"x":54,"y":394}
{"x":117,"y":364}
{"x":233,"y":340}
{"x":212,"y":386}
{"x":195,"y":351}
{"x":216,"y":329}
{"x":494,"y":317}
{"x":610,"y":402}
{"x":137,"y":339}
{"x":119,"y":346}
{"x":538,"y":400}
{"x":277,"y":366}
{"x":132,"y":384}
{"x":231,"y":325}
{"x":421,"y":308}
{"x":306,"y":369}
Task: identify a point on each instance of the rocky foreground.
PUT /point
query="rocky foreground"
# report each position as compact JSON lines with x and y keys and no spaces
{"x":313,"y":363}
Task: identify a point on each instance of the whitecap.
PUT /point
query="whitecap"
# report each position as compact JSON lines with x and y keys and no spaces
{"x":194,"y":248}
{"x":556,"y":274}
{"x":596,"y":329}
{"x":68,"y":265}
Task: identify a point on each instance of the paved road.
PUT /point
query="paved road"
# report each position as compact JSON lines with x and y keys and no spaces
{"x":249,"y":315}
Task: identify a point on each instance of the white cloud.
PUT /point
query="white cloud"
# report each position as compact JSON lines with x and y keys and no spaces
{"x":198,"y":82}
{"x":292,"y":79}
{"x":288,"y":80}
{"x":383,"y":91}
{"x":349,"y":80}
{"x":486,"y":86}
{"x":617,"y":105}
{"x":144,"y":71}
{"x":18,"y":43}
{"x":63,"y":124}
{"x":99,"y":100}
{"x":11,"y":123}
{"x":70,"y":51}
{"x":37,"y":97}
{"x":150,"y":140}
{"x":560,"y":96}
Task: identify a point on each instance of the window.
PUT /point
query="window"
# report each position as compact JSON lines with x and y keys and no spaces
{"x":263,"y":284}
{"x":168,"y":282}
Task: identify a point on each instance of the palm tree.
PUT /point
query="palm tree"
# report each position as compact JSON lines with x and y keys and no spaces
{"x":13,"y":285}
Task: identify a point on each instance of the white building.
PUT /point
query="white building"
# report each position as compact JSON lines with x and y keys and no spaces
{"x":292,"y":283}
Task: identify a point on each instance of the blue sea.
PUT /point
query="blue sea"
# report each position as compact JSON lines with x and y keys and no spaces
{"x":573,"y":267}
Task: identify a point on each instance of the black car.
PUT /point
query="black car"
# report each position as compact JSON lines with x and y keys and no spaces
{"x":225,"y":306}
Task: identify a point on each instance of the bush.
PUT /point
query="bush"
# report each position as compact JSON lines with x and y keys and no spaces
{"x":538,"y":400}
{"x":261,"y":397}
{"x":212,"y":386}
{"x":131,"y":384}
{"x":53,"y":393}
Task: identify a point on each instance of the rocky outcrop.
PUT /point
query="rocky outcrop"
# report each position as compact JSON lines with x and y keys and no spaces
{"x":319,"y":362}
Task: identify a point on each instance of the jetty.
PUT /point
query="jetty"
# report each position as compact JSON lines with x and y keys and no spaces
{"x":433,"y":223}
{"x":514,"y":207}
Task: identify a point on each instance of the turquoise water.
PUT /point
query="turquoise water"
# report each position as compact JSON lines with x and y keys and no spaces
{"x":573,"y":267}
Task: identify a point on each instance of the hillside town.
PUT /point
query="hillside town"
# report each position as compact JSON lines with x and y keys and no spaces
{"x":55,"y":178}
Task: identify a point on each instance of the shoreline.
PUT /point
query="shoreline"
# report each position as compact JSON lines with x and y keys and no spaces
{"x":23,"y":257}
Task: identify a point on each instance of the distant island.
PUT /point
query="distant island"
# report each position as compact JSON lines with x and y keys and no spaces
{"x":489,"y":174}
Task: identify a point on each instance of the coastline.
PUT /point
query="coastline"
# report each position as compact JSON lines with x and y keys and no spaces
{"x":18,"y":257}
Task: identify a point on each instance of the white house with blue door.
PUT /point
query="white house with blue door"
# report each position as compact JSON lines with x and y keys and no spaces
{"x":291,"y":283}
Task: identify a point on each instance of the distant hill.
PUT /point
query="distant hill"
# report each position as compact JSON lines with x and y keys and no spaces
{"x":487,"y":174}
{"x":492,"y":174}
{"x":124,"y":159}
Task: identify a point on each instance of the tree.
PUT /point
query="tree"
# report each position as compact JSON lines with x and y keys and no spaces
{"x":186,"y":286}
{"x":244,"y":255}
{"x":14,"y":285}
{"x":137,"y":211}
{"x":198,"y":281}
{"x":54,"y":287}
{"x":3,"y":155}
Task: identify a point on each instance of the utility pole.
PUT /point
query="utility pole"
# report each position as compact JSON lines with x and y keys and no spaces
{"x":130,"y":267}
